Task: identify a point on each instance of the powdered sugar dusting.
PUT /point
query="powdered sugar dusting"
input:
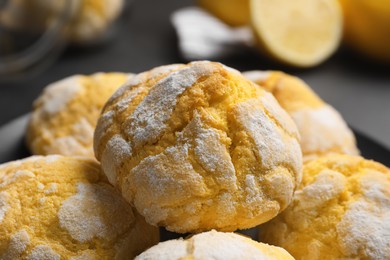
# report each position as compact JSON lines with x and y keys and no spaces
{"x":67,"y":145}
{"x":23,"y":174}
{"x":281,"y":178}
{"x":128,"y":85}
{"x":327,"y":185}
{"x":58,"y":94}
{"x":212,"y":154}
{"x":42,"y":201}
{"x":43,"y":252}
{"x":83,"y":131}
{"x":254,"y":194}
{"x":130,"y":75}
{"x":226,"y":208}
{"x":117,"y":149}
{"x":140,"y":78}
{"x":375,"y":186}
{"x":3,"y":205}
{"x":40,"y":186}
{"x":17,"y":245}
{"x":52,"y":158}
{"x":164,"y":69}
{"x":323,"y":128}
{"x":132,"y":91}
{"x":128,"y":92}
{"x":256,"y":75}
{"x":172,"y":249}
{"x":17,"y":163}
{"x":231,"y":70}
{"x":148,"y":120}
{"x":365,"y":226}
{"x":84,"y":215}
{"x":279,"y":114}
{"x":218,"y":245}
{"x":104,"y":123}
{"x":169,"y":175}
{"x":107,"y":120}
{"x":173,"y":179}
{"x":123,"y":104}
{"x":272,"y":147}
{"x":11,"y":178}
{"x":52,"y":188}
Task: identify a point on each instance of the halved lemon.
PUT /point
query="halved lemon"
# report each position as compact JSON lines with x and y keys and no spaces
{"x":301,"y":33}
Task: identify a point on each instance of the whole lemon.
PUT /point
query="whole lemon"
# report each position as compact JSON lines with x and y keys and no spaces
{"x":232,"y":12}
{"x":367,"y":27}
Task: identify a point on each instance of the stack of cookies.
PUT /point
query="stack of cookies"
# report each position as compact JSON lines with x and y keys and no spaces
{"x":198,"y":148}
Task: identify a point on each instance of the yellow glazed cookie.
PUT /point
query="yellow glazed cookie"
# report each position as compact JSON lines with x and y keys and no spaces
{"x":214,"y":245}
{"x":321,"y":127}
{"x":340,"y":211}
{"x":65,"y":115}
{"x":56,"y":207}
{"x":196,"y":147}
{"x":92,"y":19}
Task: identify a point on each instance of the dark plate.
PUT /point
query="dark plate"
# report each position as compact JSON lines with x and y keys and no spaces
{"x":12,"y":147}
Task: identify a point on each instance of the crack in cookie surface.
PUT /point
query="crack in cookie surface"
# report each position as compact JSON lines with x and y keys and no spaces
{"x":192,"y":137}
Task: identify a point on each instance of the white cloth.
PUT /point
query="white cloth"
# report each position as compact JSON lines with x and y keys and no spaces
{"x":203,"y":36}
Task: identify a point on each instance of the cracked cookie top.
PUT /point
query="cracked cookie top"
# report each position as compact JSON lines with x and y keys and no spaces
{"x":340,"y":211}
{"x":197,"y":146}
{"x":65,"y":115}
{"x":57,"y":207}
{"x":322,"y":128}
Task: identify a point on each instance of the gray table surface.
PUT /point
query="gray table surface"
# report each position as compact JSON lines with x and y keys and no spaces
{"x":145,"y":38}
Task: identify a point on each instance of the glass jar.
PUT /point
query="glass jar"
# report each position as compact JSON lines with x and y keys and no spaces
{"x":33,"y":33}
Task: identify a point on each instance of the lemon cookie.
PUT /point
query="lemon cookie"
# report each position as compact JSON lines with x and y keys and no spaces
{"x":198,"y":147}
{"x":57,"y":207}
{"x":65,"y":115}
{"x":214,"y":245}
{"x":93,"y":18}
{"x":322,"y":128}
{"x":340,"y":211}
{"x":88,"y":19}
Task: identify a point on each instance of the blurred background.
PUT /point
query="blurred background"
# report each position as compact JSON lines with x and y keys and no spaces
{"x":42,"y":41}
